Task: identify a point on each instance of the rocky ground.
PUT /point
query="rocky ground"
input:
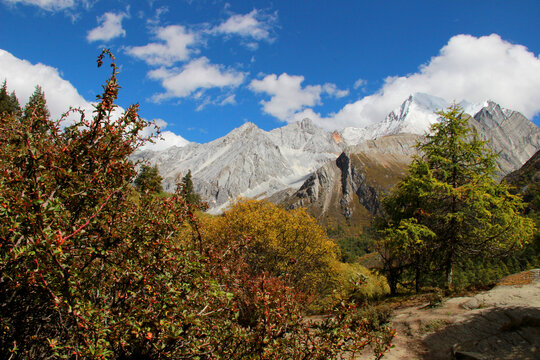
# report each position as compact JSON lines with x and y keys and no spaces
{"x":502,"y":323}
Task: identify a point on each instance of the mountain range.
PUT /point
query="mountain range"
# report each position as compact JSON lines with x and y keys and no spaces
{"x":343,"y":172}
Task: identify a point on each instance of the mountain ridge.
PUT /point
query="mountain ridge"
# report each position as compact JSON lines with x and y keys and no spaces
{"x":251,"y":162}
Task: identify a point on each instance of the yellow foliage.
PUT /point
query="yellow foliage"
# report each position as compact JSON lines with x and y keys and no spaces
{"x":362,"y":284}
{"x":282,"y":242}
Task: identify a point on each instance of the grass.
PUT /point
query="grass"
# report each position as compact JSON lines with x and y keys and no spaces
{"x":433,"y":326}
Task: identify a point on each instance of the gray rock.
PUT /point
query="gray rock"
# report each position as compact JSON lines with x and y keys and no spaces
{"x":254,"y":163}
{"x":247,"y":162}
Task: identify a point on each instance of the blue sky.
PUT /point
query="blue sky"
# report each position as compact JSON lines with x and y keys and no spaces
{"x":204,"y":67}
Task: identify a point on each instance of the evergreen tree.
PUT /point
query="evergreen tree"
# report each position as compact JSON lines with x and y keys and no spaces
{"x":15,"y":103}
{"x":36,"y":107}
{"x":9,"y":104}
{"x":190,"y":196}
{"x":451,"y":192}
{"x":149,"y":179}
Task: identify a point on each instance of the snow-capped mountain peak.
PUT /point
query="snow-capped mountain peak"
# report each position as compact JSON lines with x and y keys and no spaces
{"x":415,"y":116}
{"x":255,"y":163}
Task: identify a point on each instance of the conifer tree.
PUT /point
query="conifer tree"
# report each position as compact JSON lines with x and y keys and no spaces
{"x":450,"y":191}
{"x":149,"y":179}
{"x":14,"y":103}
{"x":9,"y":104}
{"x":37,"y":105}
{"x":189,"y":194}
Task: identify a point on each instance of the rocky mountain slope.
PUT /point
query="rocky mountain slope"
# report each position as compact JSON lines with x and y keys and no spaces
{"x":248,"y":161}
{"x":509,"y":133}
{"x":526,"y":181}
{"x":327,"y":167}
{"x":415,"y":115}
{"x":351,"y":186}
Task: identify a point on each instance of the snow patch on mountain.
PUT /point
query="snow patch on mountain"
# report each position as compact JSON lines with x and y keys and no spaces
{"x":415,"y":116}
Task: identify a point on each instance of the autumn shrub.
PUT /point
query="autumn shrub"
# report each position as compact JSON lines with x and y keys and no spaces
{"x":362,"y":285}
{"x":92,"y":270}
{"x":376,"y":316}
{"x":285,"y":243}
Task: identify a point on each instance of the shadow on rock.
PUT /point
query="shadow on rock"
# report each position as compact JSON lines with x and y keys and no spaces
{"x":491,"y":333}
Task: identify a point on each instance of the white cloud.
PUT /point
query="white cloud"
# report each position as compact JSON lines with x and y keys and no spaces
{"x":23,"y":76}
{"x":332,"y":90}
{"x":165,"y":139}
{"x":231,"y":99}
{"x":110,"y":27}
{"x":174,"y":46}
{"x":49,"y":5}
{"x":359,"y":83}
{"x":288,"y":97}
{"x":467,"y":68}
{"x":218,"y":101}
{"x":199,"y":74}
{"x":256,"y":25}
{"x":155,"y":20}
{"x":287,"y":94}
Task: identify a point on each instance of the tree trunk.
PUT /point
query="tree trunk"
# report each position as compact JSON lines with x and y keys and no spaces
{"x":392,"y":283}
{"x":449,"y":273}
{"x":417,"y":280}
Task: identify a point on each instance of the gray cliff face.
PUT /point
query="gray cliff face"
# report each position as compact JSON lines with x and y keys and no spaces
{"x":304,"y":160}
{"x":322,"y":188}
{"x":509,"y":133}
{"x":352,"y":184}
{"x":247,"y":162}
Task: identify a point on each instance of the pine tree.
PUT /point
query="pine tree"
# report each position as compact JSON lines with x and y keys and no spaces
{"x":36,"y":106}
{"x":149,"y":179}
{"x":15,"y":103}
{"x":190,"y":196}
{"x":450,"y":191}
{"x":8,"y":103}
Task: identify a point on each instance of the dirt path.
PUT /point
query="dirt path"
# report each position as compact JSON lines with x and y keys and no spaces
{"x":502,"y":323}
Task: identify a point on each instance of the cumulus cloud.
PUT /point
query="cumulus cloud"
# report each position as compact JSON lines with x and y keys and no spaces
{"x":165,"y":139}
{"x":49,"y":5}
{"x":23,"y":76}
{"x":110,"y":27}
{"x":199,"y":74}
{"x":467,"y":68}
{"x":175,"y":44}
{"x":287,"y":95}
{"x":256,"y":25}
